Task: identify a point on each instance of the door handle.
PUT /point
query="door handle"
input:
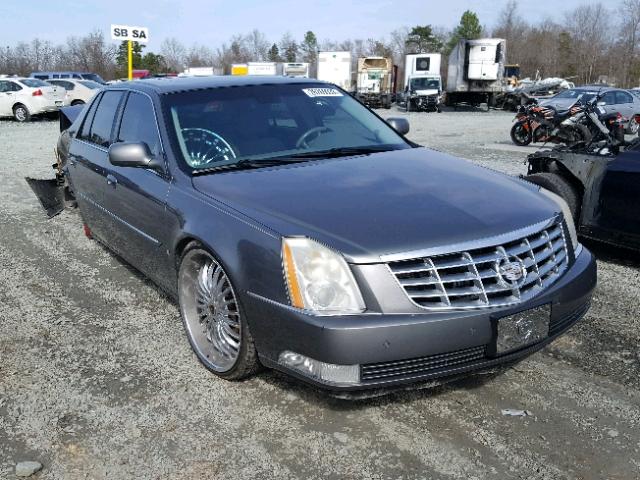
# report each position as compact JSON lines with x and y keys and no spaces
{"x":111,"y":180}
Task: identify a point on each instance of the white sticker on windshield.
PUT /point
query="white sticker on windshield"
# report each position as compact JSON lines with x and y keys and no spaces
{"x":322,"y":92}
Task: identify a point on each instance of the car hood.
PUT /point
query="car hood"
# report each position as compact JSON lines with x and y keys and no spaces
{"x":381,"y":204}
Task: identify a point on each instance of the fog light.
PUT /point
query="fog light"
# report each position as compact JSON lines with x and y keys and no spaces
{"x":324,"y":372}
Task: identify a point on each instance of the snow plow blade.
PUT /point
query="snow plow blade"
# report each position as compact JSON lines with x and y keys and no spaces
{"x":50,"y":194}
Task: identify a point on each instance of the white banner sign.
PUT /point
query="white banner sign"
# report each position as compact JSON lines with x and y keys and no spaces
{"x":125,"y":32}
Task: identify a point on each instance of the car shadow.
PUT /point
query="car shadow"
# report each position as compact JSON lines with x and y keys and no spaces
{"x":353,"y":401}
{"x":610,"y":253}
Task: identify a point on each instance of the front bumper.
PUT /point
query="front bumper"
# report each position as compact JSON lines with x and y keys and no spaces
{"x":434,"y":344}
{"x":425,"y":102}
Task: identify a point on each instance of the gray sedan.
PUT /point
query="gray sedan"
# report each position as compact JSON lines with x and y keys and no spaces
{"x":612,"y":99}
{"x":299,"y":231}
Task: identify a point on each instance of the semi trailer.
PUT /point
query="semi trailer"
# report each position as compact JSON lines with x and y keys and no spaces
{"x":475,"y":73}
{"x":335,"y":67}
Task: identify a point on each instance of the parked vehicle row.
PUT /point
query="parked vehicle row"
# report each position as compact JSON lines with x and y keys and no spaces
{"x":578,"y":116}
{"x":22,"y":98}
{"x":25,"y":98}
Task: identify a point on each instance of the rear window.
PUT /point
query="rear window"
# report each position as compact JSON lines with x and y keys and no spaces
{"x":94,"y":77}
{"x":90,"y":84}
{"x":33,"y":83}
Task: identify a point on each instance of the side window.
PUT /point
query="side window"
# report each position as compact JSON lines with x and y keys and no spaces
{"x":67,"y":85}
{"x":4,"y":86}
{"x":14,"y":87}
{"x":86,"y":124}
{"x":623,"y":97}
{"x":609,"y":98}
{"x":139,"y":123}
{"x":102,"y":123}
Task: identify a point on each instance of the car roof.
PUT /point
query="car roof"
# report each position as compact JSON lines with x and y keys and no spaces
{"x":55,"y":72}
{"x":163,"y":86}
{"x":595,"y":87}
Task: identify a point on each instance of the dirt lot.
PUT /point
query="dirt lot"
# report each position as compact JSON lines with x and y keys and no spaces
{"x":97,"y":379}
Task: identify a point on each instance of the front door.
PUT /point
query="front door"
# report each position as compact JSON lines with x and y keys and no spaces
{"x":6,"y":98}
{"x":136,"y":197}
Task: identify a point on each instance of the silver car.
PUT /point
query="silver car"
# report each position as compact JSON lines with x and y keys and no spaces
{"x":612,"y":99}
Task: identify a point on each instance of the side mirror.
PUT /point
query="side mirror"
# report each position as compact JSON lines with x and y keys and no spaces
{"x":132,"y":154}
{"x":399,"y":124}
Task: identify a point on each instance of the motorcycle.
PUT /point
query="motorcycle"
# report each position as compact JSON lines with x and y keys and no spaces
{"x":535,"y":123}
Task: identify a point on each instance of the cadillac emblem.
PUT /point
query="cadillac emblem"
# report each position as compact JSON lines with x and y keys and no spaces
{"x":511,"y":271}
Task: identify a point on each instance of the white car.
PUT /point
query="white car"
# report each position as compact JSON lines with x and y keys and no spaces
{"x":21,"y":98}
{"x":78,"y":92}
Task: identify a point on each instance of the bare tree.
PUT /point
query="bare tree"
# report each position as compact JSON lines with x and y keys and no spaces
{"x":174,"y":53}
{"x":257,"y":45}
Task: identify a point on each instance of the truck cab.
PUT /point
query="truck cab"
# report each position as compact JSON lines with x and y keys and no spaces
{"x":423,"y":93}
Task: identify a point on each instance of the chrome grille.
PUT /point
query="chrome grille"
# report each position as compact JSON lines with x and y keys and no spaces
{"x":472,"y":278}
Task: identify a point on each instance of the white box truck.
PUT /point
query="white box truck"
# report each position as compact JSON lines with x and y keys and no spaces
{"x":422,"y":82}
{"x":200,"y":72}
{"x":300,"y":69}
{"x":335,"y":67}
{"x":262,"y":68}
{"x":476,"y":71}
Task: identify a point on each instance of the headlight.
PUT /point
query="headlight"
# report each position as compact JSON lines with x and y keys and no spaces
{"x":318,"y":278}
{"x":568,"y":217}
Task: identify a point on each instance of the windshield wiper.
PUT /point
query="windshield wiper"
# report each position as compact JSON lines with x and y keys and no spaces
{"x":337,"y":152}
{"x":248,"y":164}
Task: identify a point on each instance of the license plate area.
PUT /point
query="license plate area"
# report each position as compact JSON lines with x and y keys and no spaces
{"x":522,"y":329}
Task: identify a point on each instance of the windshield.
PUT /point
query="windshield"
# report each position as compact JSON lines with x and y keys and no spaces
{"x":222,"y":126}
{"x":425,"y":84}
{"x":585,"y":95}
{"x":34,"y":83}
{"x":90,"y":84}
{"x":94,"y":77}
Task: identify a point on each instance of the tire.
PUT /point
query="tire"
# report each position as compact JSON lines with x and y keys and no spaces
{"x":633,"y":126}
{"x":21,"y":113}
{"x":77,"y":102}
{"x":583,"y":134}
{"x":561,"y":187}
{"x":213,"y":316}
{"x":519,"y":135}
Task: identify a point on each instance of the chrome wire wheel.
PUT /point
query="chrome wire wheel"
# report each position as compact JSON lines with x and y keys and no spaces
{"x":210,"y":311}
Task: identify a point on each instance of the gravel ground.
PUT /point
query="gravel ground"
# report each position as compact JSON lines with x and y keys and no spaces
{"x":97,"y":379}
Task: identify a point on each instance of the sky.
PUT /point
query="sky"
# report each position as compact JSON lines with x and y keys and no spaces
{"x":215,"y":21}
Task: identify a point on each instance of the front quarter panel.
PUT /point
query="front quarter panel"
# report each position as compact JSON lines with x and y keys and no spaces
{"x":249,"y":252}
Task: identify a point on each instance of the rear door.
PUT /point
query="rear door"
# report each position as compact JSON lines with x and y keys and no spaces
{"x":619,"y":201}
{"x":136,"y":197}
{"x":88,"y":159}
{"x":624,"y":102}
